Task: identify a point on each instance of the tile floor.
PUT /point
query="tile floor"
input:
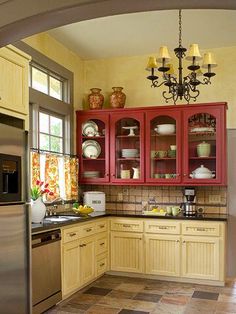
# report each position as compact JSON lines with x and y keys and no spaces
{"x":124,"y":295}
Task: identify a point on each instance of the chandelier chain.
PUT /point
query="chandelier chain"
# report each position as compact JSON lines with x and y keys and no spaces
{"x":180,"y":28}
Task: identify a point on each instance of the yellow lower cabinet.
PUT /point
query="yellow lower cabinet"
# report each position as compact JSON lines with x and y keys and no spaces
{"x":162,"y":255}
{"x":201,"y":257}
{"x":86,"y":260}
{"x":127,"y":252}
{"x":70,"y":267}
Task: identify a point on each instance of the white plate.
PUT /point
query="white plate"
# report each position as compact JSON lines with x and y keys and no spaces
{"x":89,"y":128}
{"x":91,"y":149}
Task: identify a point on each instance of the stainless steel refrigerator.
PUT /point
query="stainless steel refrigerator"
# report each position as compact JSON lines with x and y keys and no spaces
{"x":14,"y":220}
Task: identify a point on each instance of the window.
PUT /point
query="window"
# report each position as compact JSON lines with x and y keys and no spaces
{"x":49,"y":83}
{"x":51,"y":103}
{"x":51,"y":132}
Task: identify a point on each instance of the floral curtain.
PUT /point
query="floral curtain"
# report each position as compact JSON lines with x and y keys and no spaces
{"x":35,"y":168}
{"x":60,"y":172}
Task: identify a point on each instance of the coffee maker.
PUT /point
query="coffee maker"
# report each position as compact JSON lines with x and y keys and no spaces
{"x":189,"y":205}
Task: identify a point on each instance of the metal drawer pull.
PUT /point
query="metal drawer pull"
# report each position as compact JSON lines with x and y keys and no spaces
{"x":162,"y":227}
{"x":82,"y":245}
{"x":201,"y":229}
{"x":102,"y":226}
{"x":72,"y":234}
{"x":184,"y":241}
{"x":102,"y":243}
{"x":126,"y":226}
{"x":89,"y":229}
{"x":102,"y":264}
{"x":178,"y":241}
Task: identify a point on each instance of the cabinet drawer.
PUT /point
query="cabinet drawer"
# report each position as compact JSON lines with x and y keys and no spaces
{"x":201,"y":228}
{"x":101,"y":226}
{"x":126,"y":225}
{"x":101,"y":244}
{"x":87,"y":230}
{"x":70,"y":234}
{"x":102,"y":264}
{"x":160,"y":226}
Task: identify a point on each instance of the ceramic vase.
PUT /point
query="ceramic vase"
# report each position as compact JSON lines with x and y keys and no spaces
{"x":117,"y":98}
{"x":95,"y":99}
{"x":203,"y":149}
{"x":38,"y":210}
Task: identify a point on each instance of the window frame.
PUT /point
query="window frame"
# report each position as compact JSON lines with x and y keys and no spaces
{"x":40,"y":101}
{"x":52,"y":114}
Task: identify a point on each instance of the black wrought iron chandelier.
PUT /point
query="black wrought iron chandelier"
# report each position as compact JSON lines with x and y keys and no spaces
{"x":181,"y":87}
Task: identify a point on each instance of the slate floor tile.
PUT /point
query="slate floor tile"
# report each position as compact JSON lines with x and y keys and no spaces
{"x":228,"y":307}
{"x":97,"y":291}
{"x":164,"y":308}
{"x":175,"y":299}
{"x":98,"y":309}
{"x":122,"y":294}
{"x":205,"y":295}
{"x":124,"y":311}
{"x":200,"y":306}
{"x":147,"y":297}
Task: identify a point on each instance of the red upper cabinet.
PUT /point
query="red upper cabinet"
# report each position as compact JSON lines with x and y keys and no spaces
{"x":127,"y":147}
{"x":204,"y":149}
{"x":93,"y":146}
{"x":166,"y":145}
{"x":163,"y":146}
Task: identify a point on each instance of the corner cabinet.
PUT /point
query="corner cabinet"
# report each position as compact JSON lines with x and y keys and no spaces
{"x":164,"y":145}
{"x":14,"y":89}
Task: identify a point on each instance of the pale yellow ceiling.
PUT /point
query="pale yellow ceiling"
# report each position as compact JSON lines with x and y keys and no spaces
{"x":143,"y":33}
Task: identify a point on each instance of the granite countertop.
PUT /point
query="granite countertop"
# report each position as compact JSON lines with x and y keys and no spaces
{"x":45,"y":226}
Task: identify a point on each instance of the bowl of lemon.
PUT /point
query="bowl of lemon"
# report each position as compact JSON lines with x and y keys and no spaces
{"x":155,"y":212}
{"x":83,"y":210}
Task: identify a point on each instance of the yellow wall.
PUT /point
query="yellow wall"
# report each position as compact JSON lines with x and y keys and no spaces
{"x":54,"y":50}
{"x":129,"y":72}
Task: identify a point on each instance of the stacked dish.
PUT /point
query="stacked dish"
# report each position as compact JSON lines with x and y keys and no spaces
{"x":129,"y":152}
{"x":91,"y":174}
{"x":89,"y":128}
{"x":91,"y":149}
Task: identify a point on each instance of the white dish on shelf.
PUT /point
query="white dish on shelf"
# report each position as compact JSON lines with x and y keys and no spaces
{"x":91,"y":149}
{"x":165,"y":129}
{"x":89,"y":128}
{"x":131,"y":129}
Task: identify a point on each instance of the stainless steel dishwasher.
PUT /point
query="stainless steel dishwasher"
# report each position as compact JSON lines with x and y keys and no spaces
{"x":46,"y":270}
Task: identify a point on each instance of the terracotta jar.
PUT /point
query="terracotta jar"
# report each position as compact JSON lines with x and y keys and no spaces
{"x":117,"y":98}
{"x":95,"y":99}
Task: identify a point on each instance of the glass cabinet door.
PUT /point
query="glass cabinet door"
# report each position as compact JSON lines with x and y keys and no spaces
{"x":163,"y":147}
{"x":126,"y":151}
{"x":202,"y":147}
{"x":93,"y":148}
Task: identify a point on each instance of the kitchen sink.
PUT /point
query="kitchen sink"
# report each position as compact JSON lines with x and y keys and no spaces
{"x":60,"y":218}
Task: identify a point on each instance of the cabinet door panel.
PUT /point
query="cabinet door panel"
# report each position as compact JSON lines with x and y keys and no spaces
{"x":14,"y":81}
{"x":204,"y":145}
{"x":70,"y":277}
{"x":93,"y":138}
{"x":163,"y":146}
{"x":163,"y":255}
{"x":127,"y":147}
{"x":200,"y":257}
{"x":86,"y":260}
{"x":127,"y":252}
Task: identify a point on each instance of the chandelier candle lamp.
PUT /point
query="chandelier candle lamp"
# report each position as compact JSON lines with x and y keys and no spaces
{"x":181,"y":87}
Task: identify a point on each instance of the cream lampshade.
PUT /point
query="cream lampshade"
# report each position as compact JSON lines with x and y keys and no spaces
{"x":209,"y":59}
{"x":152,"y":63}
{"x":163,"y":54}
{"x":194,"y":53}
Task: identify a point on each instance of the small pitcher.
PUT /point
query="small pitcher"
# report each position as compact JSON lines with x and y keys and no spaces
{"x":136,"y":173}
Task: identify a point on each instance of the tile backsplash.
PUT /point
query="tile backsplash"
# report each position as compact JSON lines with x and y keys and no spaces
{"x":138,"y":197}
